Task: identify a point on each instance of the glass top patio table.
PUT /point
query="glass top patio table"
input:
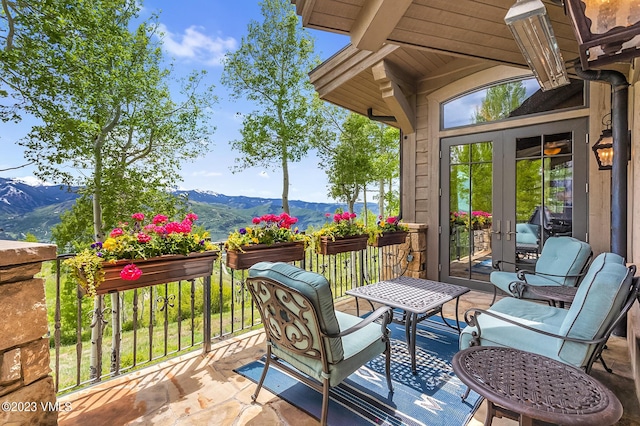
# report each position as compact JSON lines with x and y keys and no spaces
{"x":418,"y":298}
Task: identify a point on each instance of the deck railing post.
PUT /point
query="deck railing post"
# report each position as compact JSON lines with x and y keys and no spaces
{"x":206,"y":311}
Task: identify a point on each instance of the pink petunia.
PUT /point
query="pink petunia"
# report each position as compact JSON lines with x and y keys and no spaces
{"x":346,"y":215}
{"x":130,"y":272}
{"x":160,"y":219}
{"x":143,"y":238}
{"x":116,"y":232}
{"x":178,"y":228}
{"x":191,"y":217}
{"x":138,"y":216}
{"x":256,"y":220}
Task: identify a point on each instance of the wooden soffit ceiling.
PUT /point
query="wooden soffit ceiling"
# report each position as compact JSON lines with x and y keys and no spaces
{"x":469,"y":28}
{"x":425,"y":43}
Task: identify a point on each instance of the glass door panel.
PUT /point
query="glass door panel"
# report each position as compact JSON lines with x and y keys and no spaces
{"x":470,"y":200}
{"x":505,"y":193}
{"x":544,"y":199}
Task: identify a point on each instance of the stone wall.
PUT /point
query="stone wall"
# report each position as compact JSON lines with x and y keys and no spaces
{"x":27,"y":393}
{"x":415,"y":263}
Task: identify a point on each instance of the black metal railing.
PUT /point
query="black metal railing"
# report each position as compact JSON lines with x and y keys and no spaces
{"x":134,"y":328}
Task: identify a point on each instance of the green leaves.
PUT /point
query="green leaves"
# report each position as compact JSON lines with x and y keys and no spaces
{"x":107,"y":119}
{"x":270,"y":68}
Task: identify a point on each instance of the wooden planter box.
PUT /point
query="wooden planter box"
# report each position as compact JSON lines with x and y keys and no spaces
{"x":390,"y":238}
{"x":279,"y":252}
{"x":341,"y":245}
{"x":157,"y":270}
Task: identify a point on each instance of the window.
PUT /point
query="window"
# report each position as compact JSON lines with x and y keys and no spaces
{"x":509,"y":99}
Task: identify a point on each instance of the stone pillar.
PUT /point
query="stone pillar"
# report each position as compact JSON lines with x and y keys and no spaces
{"x":27,"y":394}
{"x":417,"y":243}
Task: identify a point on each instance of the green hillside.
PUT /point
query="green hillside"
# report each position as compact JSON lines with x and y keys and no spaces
{"x":218,"y":219}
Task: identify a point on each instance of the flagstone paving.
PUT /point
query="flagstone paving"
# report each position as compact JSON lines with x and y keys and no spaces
{"x":197,"y":389}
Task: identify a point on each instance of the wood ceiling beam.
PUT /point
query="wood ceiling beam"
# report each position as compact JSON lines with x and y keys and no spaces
{"x":304,"y":8}
{"x":375,"y":22}
{"x":398,"y":104}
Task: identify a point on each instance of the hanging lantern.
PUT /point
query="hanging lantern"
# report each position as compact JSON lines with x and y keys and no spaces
{"x":607,"y":31}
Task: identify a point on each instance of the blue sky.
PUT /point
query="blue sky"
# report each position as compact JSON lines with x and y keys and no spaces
{"x":198,"y":34}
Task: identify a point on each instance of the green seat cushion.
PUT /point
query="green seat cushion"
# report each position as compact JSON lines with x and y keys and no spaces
{"x":495,"y":332}
{"x":563,"y":258}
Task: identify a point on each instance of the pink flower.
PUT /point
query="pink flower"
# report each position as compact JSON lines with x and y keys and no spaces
{"x":138,"y":216}
{"x":346,"y":215}
{"x":337,"y":217}
{"x":130,"y":272}
{"x":327,"y":215}
{"x":116,"y":232}
{"x":352,"y":215}
{"x":256,"y":220}
{"x":143,"y":238}
{"x":160,"y":219}
{"x":191,"y":217}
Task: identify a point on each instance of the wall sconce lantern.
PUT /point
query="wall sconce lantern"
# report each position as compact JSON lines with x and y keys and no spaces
{"x":531,"y":28}
{"x":603,"y":148}
{"x":607,"y":31}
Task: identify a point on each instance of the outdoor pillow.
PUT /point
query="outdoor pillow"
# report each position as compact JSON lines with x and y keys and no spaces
{"x":598,"y":301}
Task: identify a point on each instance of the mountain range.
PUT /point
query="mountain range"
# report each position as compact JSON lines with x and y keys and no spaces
{"x":33,"y":209}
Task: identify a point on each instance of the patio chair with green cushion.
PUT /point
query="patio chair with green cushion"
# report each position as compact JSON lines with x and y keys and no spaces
{"x":575,"y":336}
{"x":304,"y":330}
{"x":561,"y":262}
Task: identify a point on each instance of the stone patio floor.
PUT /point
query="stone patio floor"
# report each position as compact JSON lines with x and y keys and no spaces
{"x":197,"y":389}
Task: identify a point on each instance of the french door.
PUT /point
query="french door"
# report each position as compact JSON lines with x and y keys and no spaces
{"x":505,"y":192}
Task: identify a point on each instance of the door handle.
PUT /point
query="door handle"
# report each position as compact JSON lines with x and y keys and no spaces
{"x":496,"y":229}
{"x":509,"y":231}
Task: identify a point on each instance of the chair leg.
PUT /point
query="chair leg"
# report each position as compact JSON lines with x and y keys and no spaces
{"x":325,"y":402}
{"x":495,"y":294}
{"x":387,"y":366}
{"x":607,"y":369}
{"x":264,"y":374}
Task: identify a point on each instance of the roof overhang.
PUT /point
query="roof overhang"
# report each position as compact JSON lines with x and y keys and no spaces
{"x":402,"y":48}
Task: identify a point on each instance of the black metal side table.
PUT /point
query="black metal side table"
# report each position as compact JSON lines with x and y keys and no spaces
{"x":521,"y":384}
{"x":560,"y":294}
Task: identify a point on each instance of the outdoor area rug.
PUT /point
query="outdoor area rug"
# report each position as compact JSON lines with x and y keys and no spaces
{"x":431,"y":397}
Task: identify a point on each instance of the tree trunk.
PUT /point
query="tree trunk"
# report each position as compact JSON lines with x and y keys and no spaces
{"x":381,"y":197}
{"x":95,"y":360}
{"x":364,"y":192}
{"x":285,"y":181}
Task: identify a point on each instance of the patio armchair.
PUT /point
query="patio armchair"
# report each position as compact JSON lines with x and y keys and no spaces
{"x":304,"y":330}
{"x":561,"y":262}
{"x":575,"y":336}
{"x":527,"y":239}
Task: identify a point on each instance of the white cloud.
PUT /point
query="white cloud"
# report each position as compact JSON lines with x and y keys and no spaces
{"x":206,"y":173}
{"x":264,"y":174}
{"x":196,"y":45}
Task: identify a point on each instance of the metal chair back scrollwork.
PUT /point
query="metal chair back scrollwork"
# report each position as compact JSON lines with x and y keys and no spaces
{"x":319,"y":346}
